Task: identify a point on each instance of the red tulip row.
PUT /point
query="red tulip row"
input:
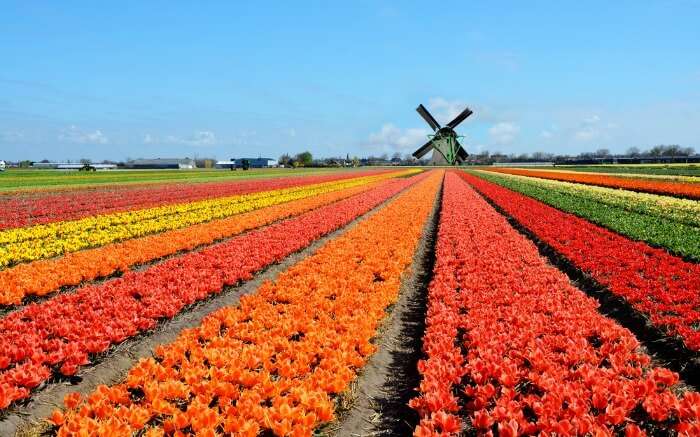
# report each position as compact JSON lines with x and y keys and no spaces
{"x":58,"y":336}
{"x":513,"y":348}
{"x":663,"y":287}
{"x":32,"y":209}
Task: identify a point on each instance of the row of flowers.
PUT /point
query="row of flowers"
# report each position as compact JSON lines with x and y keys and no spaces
{"x":45,"y":241}
{"x":620,"y":211}
{"x":42,"y":277}
{"x":274,"y":363}
{"x":669,"y":208}
{"x":657,"y":186}
{"x":659,"y":173}
{"x":513,"y":348}
{"x":26,"y":209}
{"x":655,"y":283}
{"x":59,"y":335}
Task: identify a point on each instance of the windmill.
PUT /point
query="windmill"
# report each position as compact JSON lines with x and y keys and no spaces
{"x":444,"y":141}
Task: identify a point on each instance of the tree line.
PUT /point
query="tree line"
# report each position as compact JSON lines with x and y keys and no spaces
{"x":660,"y":151}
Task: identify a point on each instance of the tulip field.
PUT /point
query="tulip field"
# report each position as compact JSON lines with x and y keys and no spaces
{"x":391,"y":301}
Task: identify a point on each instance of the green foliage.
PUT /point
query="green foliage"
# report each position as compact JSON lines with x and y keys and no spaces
{"x":304,"y":159}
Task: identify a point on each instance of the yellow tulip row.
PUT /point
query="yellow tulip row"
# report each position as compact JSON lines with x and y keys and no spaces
{"x":52,"y":239}
{"x":685,"y":211}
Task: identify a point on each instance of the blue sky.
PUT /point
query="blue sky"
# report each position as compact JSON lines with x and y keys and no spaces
{"x":147,"y":79}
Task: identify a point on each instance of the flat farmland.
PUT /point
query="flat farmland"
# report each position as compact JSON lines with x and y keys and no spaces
{"x":30,"y":179}
{"x":373,"y":301}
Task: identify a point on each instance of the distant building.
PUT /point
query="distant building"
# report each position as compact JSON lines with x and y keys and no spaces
{"x":252,"y":163}
{"x":162,"y":163}
{"x":225,"y":164}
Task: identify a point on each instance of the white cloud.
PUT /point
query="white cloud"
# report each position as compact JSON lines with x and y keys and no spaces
{"x":202,"y":138}
{"x":148,"y":139}
{"x":593,"y":119}
{"x":197,"y":139}
{"x":504,"y":133}
{"x":74,"y":134}
{"x":394,"y":139}
{"x":592,"y":128}
{"x":546,"y":134}
{"x":445,"y":110}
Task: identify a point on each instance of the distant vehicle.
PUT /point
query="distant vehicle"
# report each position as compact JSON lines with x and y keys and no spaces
{"x":2,"y":165}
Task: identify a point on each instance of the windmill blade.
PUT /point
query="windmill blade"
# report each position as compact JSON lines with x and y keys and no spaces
{"x":460,"y":118}
{"x":427,"y":117}
{"x":425,"y":148}
{"x":461,"y":153}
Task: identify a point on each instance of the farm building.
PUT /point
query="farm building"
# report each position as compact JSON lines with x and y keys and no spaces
{"x":162,"y":163}
{"x":252,"y":163}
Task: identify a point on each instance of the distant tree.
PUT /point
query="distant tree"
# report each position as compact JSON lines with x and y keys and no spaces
{"x":483,"y":157}
{"x":285,"y":160}
{"x":523,"y":157}
{"x":85,"y":161}
{"x":688,"y":151}
{"x":672,"y":150}
{"x":304,"y":159}
{"x":44,"y":161}
{"x":657,"y":151}
{"x":602,"y":153}
{"x":540,"y":156}
{"x":633,"y":152}
{"x":499,"y":157}
{"x":396,"y":156}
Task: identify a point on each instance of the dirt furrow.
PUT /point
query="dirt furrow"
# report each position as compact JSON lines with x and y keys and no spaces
{"x":378,"y":401}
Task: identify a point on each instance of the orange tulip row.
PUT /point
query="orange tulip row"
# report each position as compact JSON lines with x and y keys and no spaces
{"x":274,"y":363}
{"x":42,"y":277}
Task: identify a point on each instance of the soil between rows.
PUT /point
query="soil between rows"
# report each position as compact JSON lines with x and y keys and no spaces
{"x":666,"y":351}
{"x":389,"y":379}
{"x":28,"y":418}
